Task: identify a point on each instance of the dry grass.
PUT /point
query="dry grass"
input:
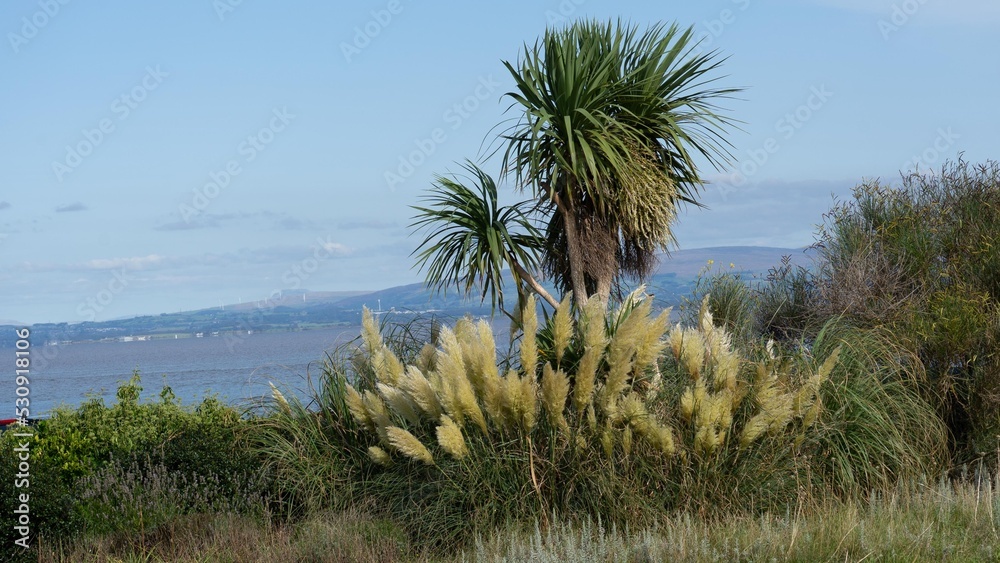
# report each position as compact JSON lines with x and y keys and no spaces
{"x":348,"y":536}
{"x":946,"y":521}
{"x":943,"y":522}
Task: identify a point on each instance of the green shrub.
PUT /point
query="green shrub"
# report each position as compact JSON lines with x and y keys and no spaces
{"x":85,"y":461}
{"x":584,"y":423}
{"x":921,"y":261}
{"x":876,"y":429}
{"x":139,"y":496}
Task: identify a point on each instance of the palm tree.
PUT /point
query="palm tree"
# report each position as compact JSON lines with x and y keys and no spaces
{"x":472,"y":239}
{"x":611,"y":121}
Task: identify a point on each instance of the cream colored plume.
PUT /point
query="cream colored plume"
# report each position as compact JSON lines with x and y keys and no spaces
{"x":449,"y":436}
{"x":555,"y":390}
{"x":419,"y":389}
{"x":379,"y":456}
{"x":562,"y":327}
{"x":408,"y":445}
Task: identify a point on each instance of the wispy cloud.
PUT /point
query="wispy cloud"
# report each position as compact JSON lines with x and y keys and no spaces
{"x":257,"y":219}
{"x":4,"y":205}
{"x":272,"y":257}
{"x":293,"y":224}
{"x":376,"y":224}
{"x":205,"y":222}
{"x":134,"y":263}
{"x":767,"y":213}
{"x":70,"y":207}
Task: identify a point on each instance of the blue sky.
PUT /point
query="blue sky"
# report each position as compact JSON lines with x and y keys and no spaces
{"x":177,"y":155}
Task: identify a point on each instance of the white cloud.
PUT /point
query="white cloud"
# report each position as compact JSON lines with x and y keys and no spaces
{"x":135,"y":263}
{"x":768,"y":213}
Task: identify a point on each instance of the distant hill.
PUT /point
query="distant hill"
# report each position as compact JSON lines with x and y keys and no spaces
{"x":752,"y":259}
{"x":675,"y":278}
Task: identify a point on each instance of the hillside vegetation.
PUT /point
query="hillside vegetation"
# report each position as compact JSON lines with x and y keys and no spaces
{"x":847,"y":411}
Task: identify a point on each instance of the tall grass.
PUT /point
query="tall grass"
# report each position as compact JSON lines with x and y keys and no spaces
{"x":877,"y":429}
{"x":920,"y":259}
{"x":916,"y":522}
{"x":608,"y":414}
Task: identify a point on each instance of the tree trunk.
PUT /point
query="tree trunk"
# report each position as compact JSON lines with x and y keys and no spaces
{"x":534,"y":285}
{"x":576,"y":266}
{"x":604,"y":289}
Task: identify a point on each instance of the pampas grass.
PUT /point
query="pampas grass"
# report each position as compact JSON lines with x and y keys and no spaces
{"x":632,"y":418}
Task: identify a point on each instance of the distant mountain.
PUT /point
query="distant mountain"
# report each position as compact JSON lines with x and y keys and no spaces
{"x":750,"y":259}
{"x":674,"y":279}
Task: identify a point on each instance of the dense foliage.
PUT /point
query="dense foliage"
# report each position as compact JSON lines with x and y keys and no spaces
{"x":917,"y":263}
{"x":129,"y":467}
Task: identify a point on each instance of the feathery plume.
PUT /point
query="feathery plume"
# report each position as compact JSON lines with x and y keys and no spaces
{"x":529,"y":402}
{"x":555,"y":389}
{"x":827,"y":368}
{"x":400,"y":403}
{"x":356,"y":405}
{"x":425,"y":359}
{"x":419,"y":389}
{"x":489,"y":375}
{"x":627,"y":440}
{"x":586,"y":374}
{"x":676,"y":338}
{"x":451,"y":371}
{"x":608,"y":441}
{"x":651,"y":342}
{"x":387,"y":366}
{"x":280,"y":399}
{"x":693,"y":352}
{"x":408,"y":445}
{"x":687,"y":403}
{"x":595,"y":342}
{"x":451,"y":365}
{"x":754,"y":428}
{"x":449,"y":436}
{"x":379,"y":456}
{"x":562,"y":328}
{"x":377,"y":412}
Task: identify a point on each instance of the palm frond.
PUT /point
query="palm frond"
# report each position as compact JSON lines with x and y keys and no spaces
{"x":471,"y":238}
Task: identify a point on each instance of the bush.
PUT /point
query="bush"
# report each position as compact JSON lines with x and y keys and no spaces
{"x":876,"y":430}
{"x":587,"y":422}
{"x":921,"y":261}
{"x":85,"y":462}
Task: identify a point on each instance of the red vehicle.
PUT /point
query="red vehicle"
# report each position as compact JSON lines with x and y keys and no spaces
{"x":5,"y":422}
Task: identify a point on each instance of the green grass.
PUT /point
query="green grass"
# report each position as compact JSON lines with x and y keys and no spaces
{"x":941,"y":521}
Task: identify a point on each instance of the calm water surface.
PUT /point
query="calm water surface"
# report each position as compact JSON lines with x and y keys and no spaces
{"x":234,"y":368}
